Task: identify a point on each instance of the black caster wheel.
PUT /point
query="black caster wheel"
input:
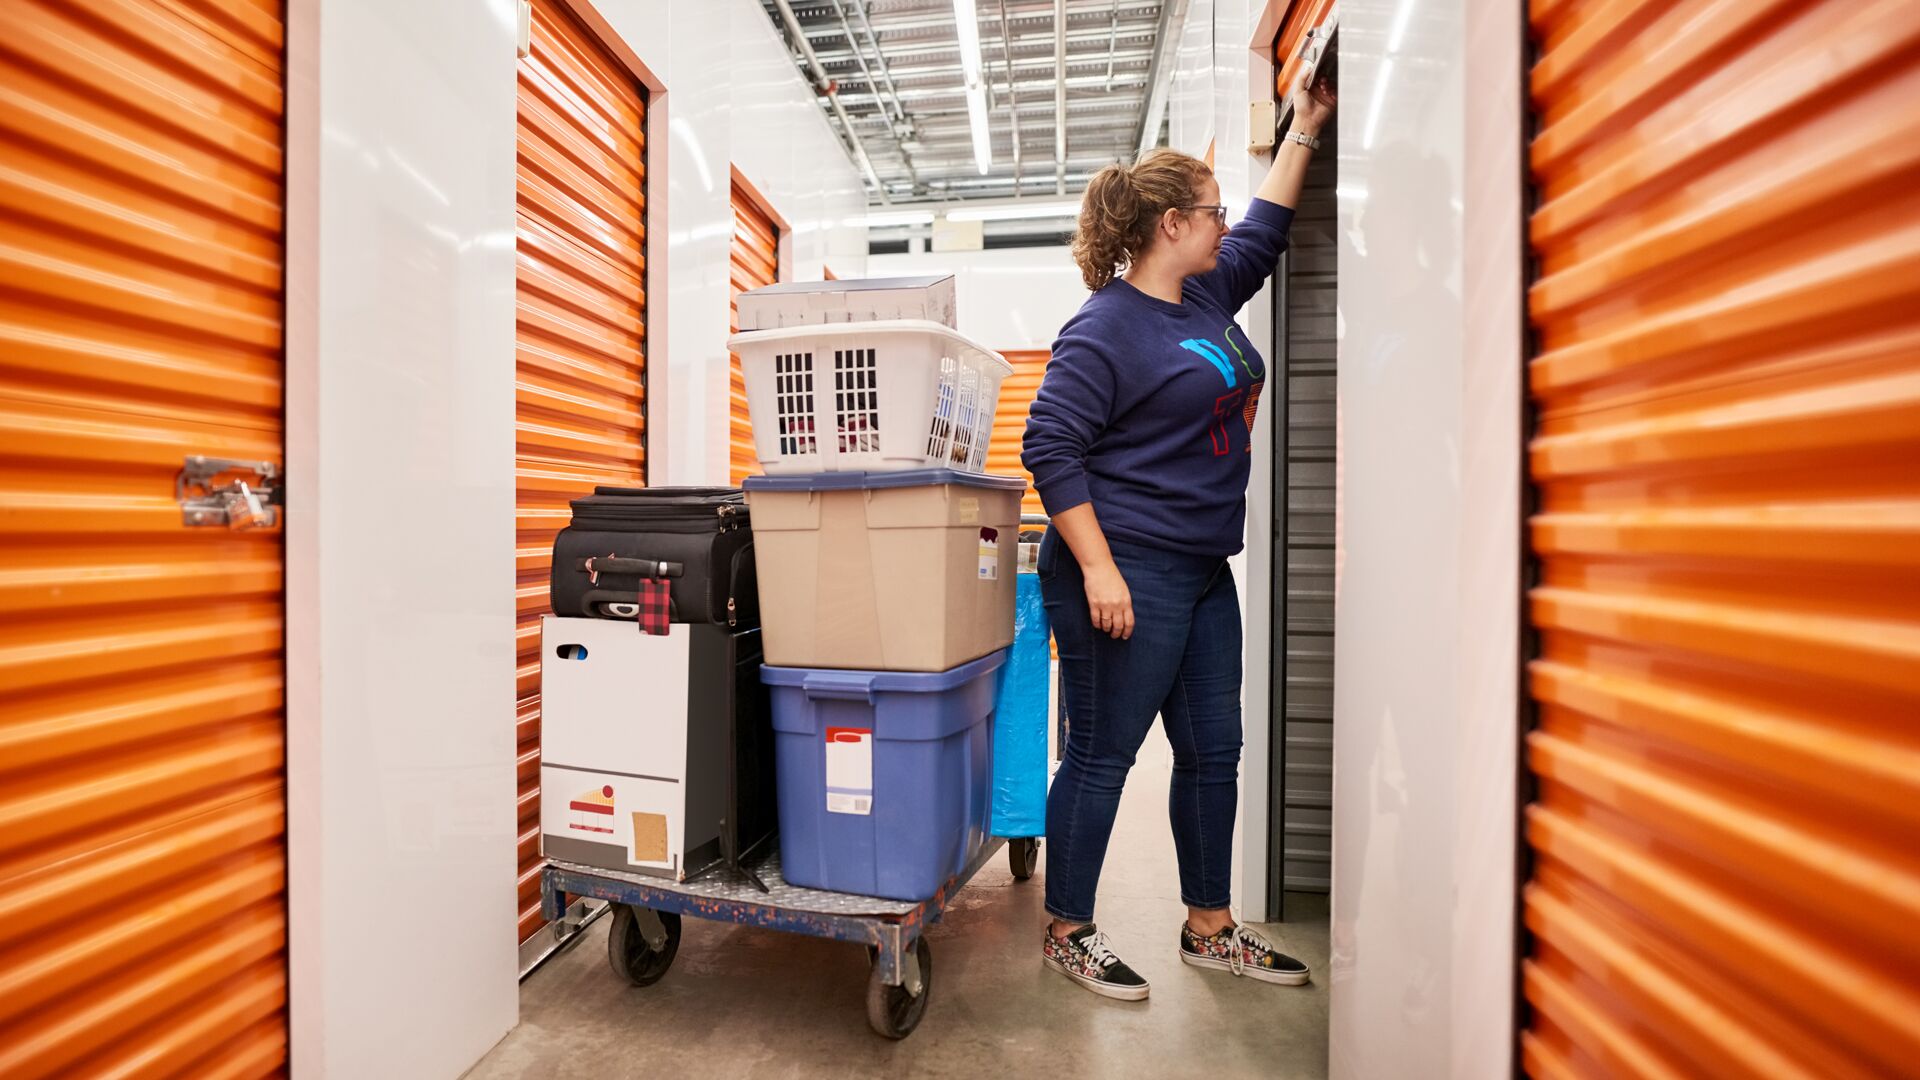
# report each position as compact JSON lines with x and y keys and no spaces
{"x":1023,"y":856}
{"x":630,"y":955}
{"x":894,"y":1011}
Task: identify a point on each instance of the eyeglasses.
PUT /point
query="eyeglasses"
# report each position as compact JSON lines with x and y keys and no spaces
{"x":1219,"y":212}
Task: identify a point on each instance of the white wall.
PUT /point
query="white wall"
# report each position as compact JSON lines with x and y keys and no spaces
{"x":400,"y":388}
{"x":1007,"y":298}
{"x":1191,"y":99}
{"x":400,"y":406}
{"x":784,"y":146}
{"x":1427,"y":594}
{"x":732,"y":98}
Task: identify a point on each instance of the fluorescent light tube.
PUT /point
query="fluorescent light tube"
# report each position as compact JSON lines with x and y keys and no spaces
{"x":966,"y":25}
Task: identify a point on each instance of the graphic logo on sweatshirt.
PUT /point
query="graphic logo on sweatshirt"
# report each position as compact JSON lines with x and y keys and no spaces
{"x":1242,"y":400}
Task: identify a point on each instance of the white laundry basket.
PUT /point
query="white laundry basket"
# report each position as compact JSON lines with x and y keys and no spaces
{"x":869,"y":396}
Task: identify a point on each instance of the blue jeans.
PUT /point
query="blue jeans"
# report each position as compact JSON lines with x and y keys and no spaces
{"x":1182,"y":664}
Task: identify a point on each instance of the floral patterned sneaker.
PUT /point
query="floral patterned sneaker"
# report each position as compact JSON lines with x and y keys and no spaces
{"x":1085,"y":957}
{"x":1241,"y":950}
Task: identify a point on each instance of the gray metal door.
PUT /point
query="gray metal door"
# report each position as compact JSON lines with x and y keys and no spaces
{"x":1301,"y":812}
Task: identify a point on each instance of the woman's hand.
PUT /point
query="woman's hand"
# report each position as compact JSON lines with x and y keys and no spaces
{"x":1313,"y":106}
{"x":1108,"y":599}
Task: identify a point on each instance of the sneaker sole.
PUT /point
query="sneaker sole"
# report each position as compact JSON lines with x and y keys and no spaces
{"x":1108,"y":990}
{"x":1280,"y":978}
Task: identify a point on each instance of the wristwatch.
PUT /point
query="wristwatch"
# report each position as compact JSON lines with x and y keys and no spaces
{"x":1303,"y":139}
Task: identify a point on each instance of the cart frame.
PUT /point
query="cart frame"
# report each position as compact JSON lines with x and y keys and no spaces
{"x":893,"y":939}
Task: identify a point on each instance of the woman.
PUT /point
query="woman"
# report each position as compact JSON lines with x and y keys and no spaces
{"x":1140,"y":445}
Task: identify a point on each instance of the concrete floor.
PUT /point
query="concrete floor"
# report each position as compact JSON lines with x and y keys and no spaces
{"x":742,"y":1002}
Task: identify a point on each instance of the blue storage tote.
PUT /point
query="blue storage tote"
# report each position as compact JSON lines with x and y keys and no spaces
{"x":884,"y":777}
{"x":1020,"y":720}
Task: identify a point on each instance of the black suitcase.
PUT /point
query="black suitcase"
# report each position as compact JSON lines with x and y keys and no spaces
{"x":699,"y":539}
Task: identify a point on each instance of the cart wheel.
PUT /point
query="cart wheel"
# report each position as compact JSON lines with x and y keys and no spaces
{"x":1023,"y":855}
{"x":627,"y":948}
{"x":894,"y":1011}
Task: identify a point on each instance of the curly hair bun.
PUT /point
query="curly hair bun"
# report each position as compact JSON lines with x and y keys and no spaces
{"x":1121,"y":206}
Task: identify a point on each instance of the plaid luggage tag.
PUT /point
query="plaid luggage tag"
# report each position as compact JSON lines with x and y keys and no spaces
{"x":655,"y":600}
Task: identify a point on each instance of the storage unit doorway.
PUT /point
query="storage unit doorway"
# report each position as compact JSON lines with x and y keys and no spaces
{"x":580,"y":339}
{"x":1303,"y":377}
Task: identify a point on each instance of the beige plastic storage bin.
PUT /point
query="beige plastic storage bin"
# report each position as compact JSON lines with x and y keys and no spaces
{"x":889,"y":571}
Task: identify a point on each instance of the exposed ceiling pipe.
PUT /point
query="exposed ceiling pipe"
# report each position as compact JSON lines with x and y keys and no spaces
{"x":1173,"y":21}
{"x":1113,"y":41}
{"x":1013,"y":100}
{"x":901,"y":51}
{"x":1129,"y":91}
{"x":1028,"y":67}
{"x":900,"y":117}
{"x":1059,"y":97}
{"x":880,"y":55}
{"x":932,"y":16}
{"x":826,"y":86}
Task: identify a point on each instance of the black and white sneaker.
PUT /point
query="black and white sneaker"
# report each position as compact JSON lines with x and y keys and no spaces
{"x":1085,"y":957}
{"x":1241,"y":950}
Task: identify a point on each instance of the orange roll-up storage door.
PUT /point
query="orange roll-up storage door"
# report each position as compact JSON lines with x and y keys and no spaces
{"x":1725,"y":879}
{"x":142,"y":734}
{"x":755,"y":261}
{"x":1010,"y":420}
{"x":581,"y":389}
{"x":1302,"y":16}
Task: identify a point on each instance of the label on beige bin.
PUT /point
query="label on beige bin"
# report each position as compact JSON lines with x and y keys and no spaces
{"x":989,"y":554}
{"x":969,"y":511}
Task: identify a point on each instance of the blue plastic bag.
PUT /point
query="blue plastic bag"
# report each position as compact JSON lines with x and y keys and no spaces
{"x":1020,"y":722}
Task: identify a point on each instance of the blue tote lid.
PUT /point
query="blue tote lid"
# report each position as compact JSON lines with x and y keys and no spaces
{"x":862,"y":685}
{"x":873,"y":481}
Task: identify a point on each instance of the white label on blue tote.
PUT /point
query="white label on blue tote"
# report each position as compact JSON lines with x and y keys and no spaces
{"x":849,"y":770}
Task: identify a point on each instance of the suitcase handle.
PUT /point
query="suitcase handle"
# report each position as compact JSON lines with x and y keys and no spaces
{"x":652,"y":568}
{"x":592,"y":598}
{"x":838,"y":686}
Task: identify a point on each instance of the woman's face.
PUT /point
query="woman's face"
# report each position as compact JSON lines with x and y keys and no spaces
{"x":1194,"y":235}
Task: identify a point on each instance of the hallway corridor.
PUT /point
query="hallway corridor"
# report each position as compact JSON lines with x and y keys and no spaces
{"x":743,"y":1002}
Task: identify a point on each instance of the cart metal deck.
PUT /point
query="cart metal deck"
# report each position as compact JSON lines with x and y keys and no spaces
{"x":645,"y":932}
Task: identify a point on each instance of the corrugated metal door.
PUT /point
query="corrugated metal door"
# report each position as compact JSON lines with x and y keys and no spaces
{"x":1302,"y":698}
{"x":755,"y":262}
{"x":142,"y":738}
{"x":1725,"y":879}
{"x":1010,"y":420}
{"x":582,"y":328}
{"x":1302,"y":16}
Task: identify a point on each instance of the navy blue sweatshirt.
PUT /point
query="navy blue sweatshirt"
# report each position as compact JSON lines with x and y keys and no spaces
{"x":1147,"y":407}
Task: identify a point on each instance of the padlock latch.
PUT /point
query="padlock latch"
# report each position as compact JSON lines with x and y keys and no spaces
{"x":239,"y":503}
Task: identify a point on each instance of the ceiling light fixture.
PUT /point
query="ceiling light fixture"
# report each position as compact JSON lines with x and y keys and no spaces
{"x":966,"y":24}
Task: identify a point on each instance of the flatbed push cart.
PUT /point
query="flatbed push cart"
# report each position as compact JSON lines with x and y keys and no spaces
{"x":646,"y":914}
